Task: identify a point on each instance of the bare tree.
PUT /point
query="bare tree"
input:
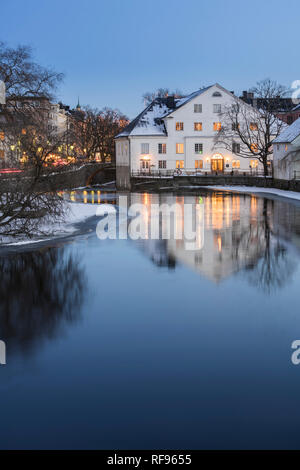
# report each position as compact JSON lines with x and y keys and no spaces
{"x":248,"y":132}
{"x":24,"y":77}
{"x":148,"y":97}
{"x":95,"y":130}
{"x":26,"y":135}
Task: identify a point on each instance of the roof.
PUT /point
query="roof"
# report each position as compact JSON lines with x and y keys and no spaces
{"x":150,"y":121}
{"x":289,"y":134}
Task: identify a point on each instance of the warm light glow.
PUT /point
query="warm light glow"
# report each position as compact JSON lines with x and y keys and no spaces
{"x":217,"y":126}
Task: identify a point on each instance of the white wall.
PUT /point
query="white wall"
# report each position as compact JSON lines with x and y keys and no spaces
{"x":284,"y":161}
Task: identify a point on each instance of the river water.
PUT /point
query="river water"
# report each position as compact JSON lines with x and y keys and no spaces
{"x":150,"y":344}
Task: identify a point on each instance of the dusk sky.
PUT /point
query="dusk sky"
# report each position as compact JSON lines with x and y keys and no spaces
{"x":112,"y":51}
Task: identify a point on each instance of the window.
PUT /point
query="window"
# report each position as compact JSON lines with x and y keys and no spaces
{"x":253,"y":126}
{"x":179,"y":126}
{"x":216,"y":93}
{"x":162,"y":148}
{"x":217,"y":126}
{"x":2,"y":135}
{"x":235,"y":126}
{"x":217,"y":108}
{"x":199,"y":164}
{"x":253,"y":163}
{"x":24,"y":131}
{"x":289,"y":119}
{"x":286,"y":147}
{"x":236,"y":164}
{"x":254,"y":148}
{"x":162,"y":164}
{"x":179,"y":164}
{"x":179,"y":148}
{"x":235,"y":108}
{"x":197,"y":108}
{"x":197,"y":126}
{"x":236,"y":148}
{"x":199,"y":148}
{"x":1,"y":153}
{"x":144,"y":149}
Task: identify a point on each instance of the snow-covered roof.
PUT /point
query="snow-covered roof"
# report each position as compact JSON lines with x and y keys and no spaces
{"x":150,"y":121}
{"x":289,"y":134}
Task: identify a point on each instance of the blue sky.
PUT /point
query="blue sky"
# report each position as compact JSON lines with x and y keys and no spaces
{"x":112,"y":51}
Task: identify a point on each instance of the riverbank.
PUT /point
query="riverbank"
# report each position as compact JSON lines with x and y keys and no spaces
{"x":73,"y":221}
{"x":258,"y":191}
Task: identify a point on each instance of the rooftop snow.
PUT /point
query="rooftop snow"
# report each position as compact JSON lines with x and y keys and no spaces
{"x":289,"y":134}
{"x":146,"y":122}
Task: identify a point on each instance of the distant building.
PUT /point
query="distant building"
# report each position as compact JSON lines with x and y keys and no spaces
{"x":179,"y":134}
{"x":286,"y":153}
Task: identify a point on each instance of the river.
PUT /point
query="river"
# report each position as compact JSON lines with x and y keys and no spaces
{"x":136,"y":344}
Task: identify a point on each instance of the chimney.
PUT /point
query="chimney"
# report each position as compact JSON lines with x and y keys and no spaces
{"x":170,"y":102}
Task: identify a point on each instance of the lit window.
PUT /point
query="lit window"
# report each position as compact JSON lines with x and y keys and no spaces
{"x":2,"y":135}
{"x":162,"y":164}
{"x":199,"y":164}
{"x":254,"y":163}
{"x":254,"y":148}
{"x":286,"y":147}
{"x":236,"y":164}
{"x":162,"y":148}
{"x":24,"y":131}
{"x":236,"y":148}
{"x":197,"y":108}
{"x":197,"y":126}
{"x":179,"y":164}
{"x":144,"y":149}
{"x":253,"y":126}
{"x":217,"y":108}
{"x":217,"y":126}
{"x":179,"y":148}
{"x":199,"y":148}
{"x":179,"y":126}
{"x":1,"y":153}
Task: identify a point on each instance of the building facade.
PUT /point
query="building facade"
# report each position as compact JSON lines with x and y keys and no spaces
{"x":179,"y":135}
{"x":286,"y":153}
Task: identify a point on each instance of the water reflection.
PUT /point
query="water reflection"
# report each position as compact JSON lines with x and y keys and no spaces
{"x":238,"y":233}
{"x":89,"y":196}
{"x":40,"y":292}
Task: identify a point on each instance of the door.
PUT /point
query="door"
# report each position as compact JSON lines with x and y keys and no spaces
{"x":144,"y":165}
{"x":217,"y":165}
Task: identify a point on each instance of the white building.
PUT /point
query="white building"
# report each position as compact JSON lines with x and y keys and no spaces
{"x":179,"y":134}
{"x":286,"y":153}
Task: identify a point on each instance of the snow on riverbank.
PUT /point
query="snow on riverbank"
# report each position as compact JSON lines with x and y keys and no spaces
{"x":254,"y":189}
{"x":74,"y":213}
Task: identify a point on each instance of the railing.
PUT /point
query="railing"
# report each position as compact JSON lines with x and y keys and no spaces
{"x":296,"y":175}
{"x":197,"y":172}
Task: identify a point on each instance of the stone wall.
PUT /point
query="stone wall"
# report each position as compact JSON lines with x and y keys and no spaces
{"x":92,"y":173}
{"x":177,"y":182}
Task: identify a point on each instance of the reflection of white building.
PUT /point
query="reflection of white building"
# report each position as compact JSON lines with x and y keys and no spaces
{"x":286,"y":149}
{"x":179,"y":133}
{"x":230,"y":235}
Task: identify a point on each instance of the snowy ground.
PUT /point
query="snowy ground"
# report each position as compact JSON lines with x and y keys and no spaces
{"x":75,"y":213}
{"x":254,"y":189}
